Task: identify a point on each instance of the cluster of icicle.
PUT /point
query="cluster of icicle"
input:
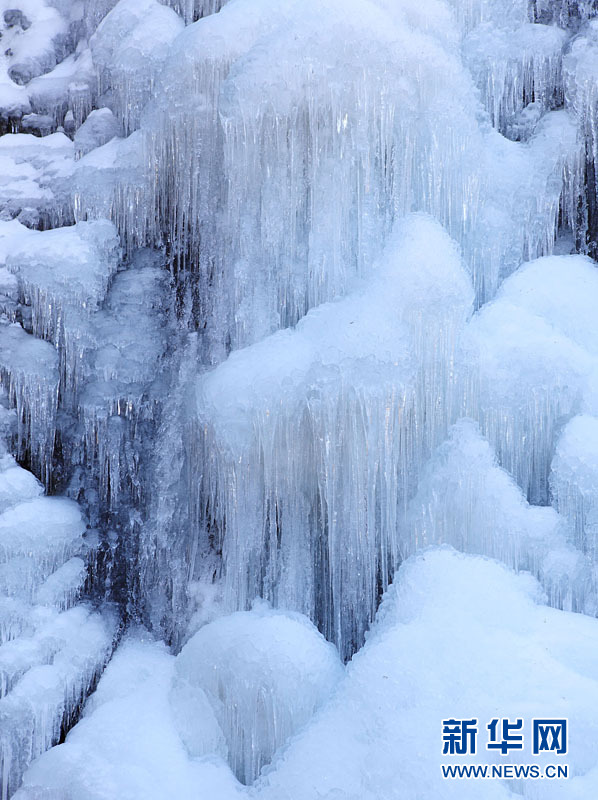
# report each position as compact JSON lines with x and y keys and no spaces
{"x":345,"y":235}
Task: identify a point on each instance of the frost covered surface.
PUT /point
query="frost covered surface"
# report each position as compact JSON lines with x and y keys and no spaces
{"x":35,"y":175}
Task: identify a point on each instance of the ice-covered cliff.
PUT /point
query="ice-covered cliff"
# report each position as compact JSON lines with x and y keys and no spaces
{"x":297,"y":299}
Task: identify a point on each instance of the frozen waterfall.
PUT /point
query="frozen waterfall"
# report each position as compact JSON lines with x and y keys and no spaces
{"x":298,"y":394}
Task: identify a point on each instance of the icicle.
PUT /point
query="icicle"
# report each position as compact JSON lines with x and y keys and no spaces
{"x":538,"y":358}
{"x":574,"y":480}
{"x":64,"y":276}
{"x":129,"y":48}
{"x":464,"y":499}
{"x":514,"y":68}
{"x":531,"y":189}
{"x":348,"y":146}
{"x":309,"y":443}
{"x":29,"y":372}
{"x":44,"y":699}
{"x":265,"y":673}
{"x":581,"y":96}
{"x":119,"y":403}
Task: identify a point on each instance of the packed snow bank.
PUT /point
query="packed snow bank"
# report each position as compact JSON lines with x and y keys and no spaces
{"x":456,"y":637}
{"x":265,"y":674}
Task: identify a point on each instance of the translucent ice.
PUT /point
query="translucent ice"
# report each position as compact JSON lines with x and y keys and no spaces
{"x":464,"y":499}
{"x":537,"y":350}
{"x":340,"y":128}
{"x":514,"y":68}
{"x":307,"y":444}
{"x":117,"y":404}
{"x":64,"y":276}
{"x":129,"y":48}
{"x":100,"y":127}
{"x":29,"y":372}
{"x":265,"y":674}
{"x":574,"y":480}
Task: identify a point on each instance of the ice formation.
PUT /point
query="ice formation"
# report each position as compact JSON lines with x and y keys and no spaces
{"x":264,"y":674}
{"x":291,"y":291}
{"x":51,"y":650}
{"x":574,"y":480}
{"x":35,"y":175}
{"x":515,"y":68}
{"x":509,"y":651}
{"x":314,"y":428}
{"x":537,"y":352}
{"x":463,"y":493}
{"x":128,"y":50}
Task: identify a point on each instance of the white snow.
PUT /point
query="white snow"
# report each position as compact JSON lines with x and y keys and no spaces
{"x":456,"y":635}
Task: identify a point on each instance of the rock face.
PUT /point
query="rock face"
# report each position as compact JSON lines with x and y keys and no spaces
{"x":289,"y":292}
